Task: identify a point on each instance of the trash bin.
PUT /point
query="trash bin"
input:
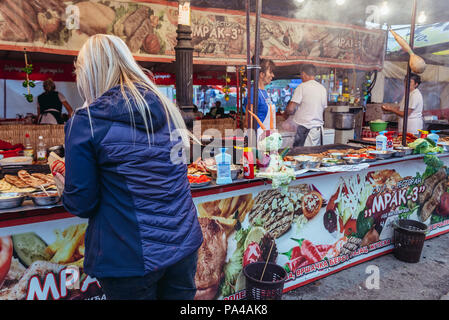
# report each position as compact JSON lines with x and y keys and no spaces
{"x":271,"y":285}
{"x":409,"y":236}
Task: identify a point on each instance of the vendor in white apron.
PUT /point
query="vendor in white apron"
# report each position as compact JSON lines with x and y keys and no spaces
{"x":307,"y":107}
{"x":49,"y":105}
{"x":266,"y":110}
{"x":415,"y":107}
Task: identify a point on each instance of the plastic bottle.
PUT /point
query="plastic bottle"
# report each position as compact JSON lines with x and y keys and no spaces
{"x":28,"y":151}
{"x":41,"y":154}
{"x":390,"y":144}
{"x":248,"y":163}
{"x":381,"y":141}
{"x":223,"y":161}
{"x":423,"y":133}
{"x":433,"y":136}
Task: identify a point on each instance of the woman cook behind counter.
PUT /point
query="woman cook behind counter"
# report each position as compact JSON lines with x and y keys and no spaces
{"x":143,"y":232}
{"x":415,"y":108}
{"x":49,"y":105}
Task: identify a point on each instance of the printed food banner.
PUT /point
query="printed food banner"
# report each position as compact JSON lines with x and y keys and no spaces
{"x":44,"y":261}
{"x":320,"y":225}
{"x":149,"y":29}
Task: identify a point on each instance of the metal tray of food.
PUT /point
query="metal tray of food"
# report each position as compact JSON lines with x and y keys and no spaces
{"x":353,"y":160}
{"x":306,"y":162}
{"x":43,"y":199}
{"x":10,"y":200}
{"x":381,"y":155}
{"x":407,"y":150}
{"x":330,"y":162}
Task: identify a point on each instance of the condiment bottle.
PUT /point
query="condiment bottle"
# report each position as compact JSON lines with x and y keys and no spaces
{"x":223,"y":161}
{"x":433,"y":136}
{"x":381,"y":141}
{"x":28,"y":151}
{"x":248,"y":163}
{"x":41,"y":154}
{"x":423,"y":134}
{"x":390,"y":145}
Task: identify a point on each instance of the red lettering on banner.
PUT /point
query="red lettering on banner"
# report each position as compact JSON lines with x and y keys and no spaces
{"x":321,"y":265}
{"x":338,"y":260}
{"x":379,"y":244}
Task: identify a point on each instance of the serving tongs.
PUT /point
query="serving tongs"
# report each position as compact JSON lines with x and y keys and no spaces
{"x":43,"y":189}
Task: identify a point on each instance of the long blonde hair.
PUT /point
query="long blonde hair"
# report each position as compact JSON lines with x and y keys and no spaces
{"x":105,"y":61}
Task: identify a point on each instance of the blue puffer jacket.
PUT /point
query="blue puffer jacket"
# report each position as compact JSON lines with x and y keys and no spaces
{"x":140,"y":209}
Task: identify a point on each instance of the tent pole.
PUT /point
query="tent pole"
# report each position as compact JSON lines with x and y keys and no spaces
{"x":248,"y":63}
{"x":257,"y":63}
{"x":407,"y":83}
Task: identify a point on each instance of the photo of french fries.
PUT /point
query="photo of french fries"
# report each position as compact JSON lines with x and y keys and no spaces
{"x":68,"y":248}
{"x":227,"y":211}
{"x":50,"y":253}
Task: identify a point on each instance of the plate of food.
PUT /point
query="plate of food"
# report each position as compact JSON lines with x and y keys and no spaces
{"x":367,"y":157}
{"x":11,"y":200}
{"x":381,"y":154}
{"x":307,"y":162}
{"x":45,"y":198}
{"x":198,"y":181}
{"x":329,"y":162}
{"x":337,"y":155}
{"x":353,"y":158}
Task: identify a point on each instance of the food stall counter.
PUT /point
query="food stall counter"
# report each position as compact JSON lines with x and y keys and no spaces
{"x":325,"y":222}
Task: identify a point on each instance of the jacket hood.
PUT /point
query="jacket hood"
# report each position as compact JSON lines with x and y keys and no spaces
{"x":112,"y":106}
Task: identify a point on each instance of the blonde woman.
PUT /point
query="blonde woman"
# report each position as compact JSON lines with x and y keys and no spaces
{"x":143,"y":232}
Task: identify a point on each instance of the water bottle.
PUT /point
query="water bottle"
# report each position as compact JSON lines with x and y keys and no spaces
{"x":41,"y":154}
{"x":381,"y":141}
{"x":433,"y":136}
{"x":223,"y":161}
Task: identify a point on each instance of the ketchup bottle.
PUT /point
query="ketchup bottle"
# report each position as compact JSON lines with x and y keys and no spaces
{"x":389,"y":136}
{"x":248,"y":163}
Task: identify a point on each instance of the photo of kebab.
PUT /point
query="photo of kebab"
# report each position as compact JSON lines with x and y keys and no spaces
{"x":429,"y":200}
{"x":211,"y":259}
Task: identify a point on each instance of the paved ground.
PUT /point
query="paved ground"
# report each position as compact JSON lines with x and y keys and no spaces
{"x":426,"y":280}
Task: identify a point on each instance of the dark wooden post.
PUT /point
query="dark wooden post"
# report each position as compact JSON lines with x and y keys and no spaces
{"x":407,"y":82}
{"x":184,"y":64}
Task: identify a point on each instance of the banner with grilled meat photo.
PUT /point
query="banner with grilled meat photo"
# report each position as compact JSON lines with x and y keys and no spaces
{"x":247,"y":228}
{"x":320,"y":225}
{"x":149,"y":29}
{"x":44,"y":261}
